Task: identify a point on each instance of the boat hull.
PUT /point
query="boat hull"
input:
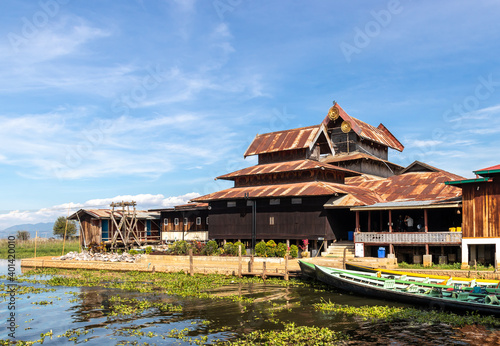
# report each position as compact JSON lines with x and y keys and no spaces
{"x":366,"y":290}
{"x":307,"y":269}
{"x":358,"y":267}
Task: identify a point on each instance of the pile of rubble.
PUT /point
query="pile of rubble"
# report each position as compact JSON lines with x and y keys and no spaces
{"x":105,"y":257}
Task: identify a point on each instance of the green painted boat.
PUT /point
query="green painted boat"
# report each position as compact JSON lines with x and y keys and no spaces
{"x":446,"y":297}
{"x":471,"y":281}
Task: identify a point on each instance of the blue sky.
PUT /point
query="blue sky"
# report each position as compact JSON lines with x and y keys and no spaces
{"x":150,"y":100}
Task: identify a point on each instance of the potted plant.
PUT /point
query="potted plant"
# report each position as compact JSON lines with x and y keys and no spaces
{"x":304,"y":247}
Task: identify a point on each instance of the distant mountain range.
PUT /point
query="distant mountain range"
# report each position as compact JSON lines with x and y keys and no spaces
{"x":45,"y":229}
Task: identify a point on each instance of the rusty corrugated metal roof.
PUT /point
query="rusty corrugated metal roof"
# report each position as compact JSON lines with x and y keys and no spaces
{"x":488,"y":171}
{"x":358,"y":196}
{"x":191,"y":206}
{"x":417,"y":186}
{"x":287,"y":166}
{"x":106,"y":214}
{"x":378,"y":134}
{"x":282,"y":140}
{"x":356,"y":156}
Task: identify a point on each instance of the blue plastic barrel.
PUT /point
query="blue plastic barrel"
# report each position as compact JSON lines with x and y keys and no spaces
{"x":381,"y":252}
{"x":350,"y":236}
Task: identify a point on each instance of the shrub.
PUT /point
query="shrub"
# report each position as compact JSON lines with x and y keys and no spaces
{"x":294,"y":251}
{"x":260,"y":249}
{"x":149,"y":249}
{"x":210,"y":248}
{"x":197,"y":247}
{"x":228,"y":248}
{"x":270,"y":248}
{"x":281,"y":250}
{"x":133,"y":252}
{"x":235,"y":246}
{"x":179,"y":248}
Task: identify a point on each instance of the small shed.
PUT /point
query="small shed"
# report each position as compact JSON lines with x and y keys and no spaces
{"x":481,"y":217}
{"x":102,"y":225}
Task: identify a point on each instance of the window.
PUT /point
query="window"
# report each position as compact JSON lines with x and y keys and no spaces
{"x":165,"y":221}
{"x":296,"y":200}
{"x":198,"y":221}
{"x":186,"y":221}
{"x":207,"y":220}
{"x":274,"y":201}
{"x":231,"y":204}
{"x":176,"y":221}
{"x":271,"y":220}
{"x":249,"y":203}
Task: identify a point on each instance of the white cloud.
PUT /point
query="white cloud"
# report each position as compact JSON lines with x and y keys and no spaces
{"x":144,"y":202}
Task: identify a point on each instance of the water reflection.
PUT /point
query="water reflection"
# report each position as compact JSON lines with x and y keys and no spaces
{"x":73,"y":310}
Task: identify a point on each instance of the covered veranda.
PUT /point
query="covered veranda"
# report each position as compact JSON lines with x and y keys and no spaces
{"x":434,"y":229}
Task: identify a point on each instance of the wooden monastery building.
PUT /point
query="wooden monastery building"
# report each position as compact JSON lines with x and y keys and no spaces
{"x":329,"y":183}
{"x":334,"y":182}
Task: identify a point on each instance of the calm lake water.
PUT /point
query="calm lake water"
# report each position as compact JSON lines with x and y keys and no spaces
{"x":85,"y":309}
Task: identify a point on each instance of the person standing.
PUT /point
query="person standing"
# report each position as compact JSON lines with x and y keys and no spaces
{"x":409,"y":223}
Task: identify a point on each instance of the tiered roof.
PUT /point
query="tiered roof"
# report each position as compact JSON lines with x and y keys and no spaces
{"x":378,"y":134}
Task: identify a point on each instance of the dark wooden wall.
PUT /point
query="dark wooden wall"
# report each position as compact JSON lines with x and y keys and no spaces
{"x":308,"y":220}
{"x":481,"y":209}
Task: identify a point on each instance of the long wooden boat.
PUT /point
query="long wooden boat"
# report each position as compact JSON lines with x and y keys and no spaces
{"x":307,"y":269}
{"x":445,"y":297}
{"x":359,"y":267}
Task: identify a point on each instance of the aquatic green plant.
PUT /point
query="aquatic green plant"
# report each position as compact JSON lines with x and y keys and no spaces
{"x":390,"y":313}
{"x":291,"y":334}
{"x":132,"y":306}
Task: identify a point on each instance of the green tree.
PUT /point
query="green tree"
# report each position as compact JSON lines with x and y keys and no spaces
{"x":23,"y":235}
{"x":60,"y":225}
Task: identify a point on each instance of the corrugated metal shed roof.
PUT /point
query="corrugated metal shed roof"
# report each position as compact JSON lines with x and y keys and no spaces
{"x":191,"y":206}
{"x":400,"y":205}
{"x":288,"y":166}
{"x":283,"y":140}
{"x":488,"y":171}
{"x":378,"y":134}
{"x":106,"y":214}
{"x":358,"y":196}
{"x":418,"y":186}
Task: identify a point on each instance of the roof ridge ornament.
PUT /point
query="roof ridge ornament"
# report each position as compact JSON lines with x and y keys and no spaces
{"x":333,"y":112}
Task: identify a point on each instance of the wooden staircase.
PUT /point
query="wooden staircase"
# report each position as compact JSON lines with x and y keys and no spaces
{"x":337,"y":250}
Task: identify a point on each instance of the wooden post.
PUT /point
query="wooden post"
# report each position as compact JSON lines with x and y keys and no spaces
{"x":426,"y":249}
{"x":191,"y":266}
{"x":357,"y":221}
{"x":390,"y":220}
{"x":264,"y":270}
{"x":250,"y":265}
{"x":426,"y":227}
{"x":286,"y":266}
{"x":239,"y":260}
{"x":36,"y":236}
{"x":344,"y":258}
{"x":64,"y":237}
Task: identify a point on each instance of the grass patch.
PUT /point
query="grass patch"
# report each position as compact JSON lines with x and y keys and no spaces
{"x":26,"y":248}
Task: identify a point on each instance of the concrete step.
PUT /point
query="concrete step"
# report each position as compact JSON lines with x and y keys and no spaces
{"x":337,"y":250}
